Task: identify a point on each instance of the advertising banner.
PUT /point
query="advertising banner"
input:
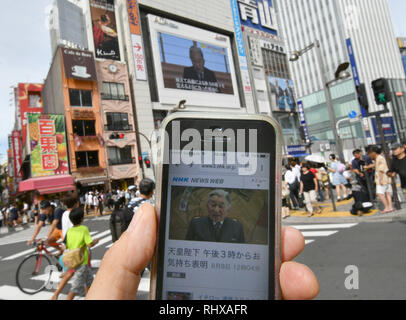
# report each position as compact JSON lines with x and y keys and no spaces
{"x":239,"y":39}
{"x":282,"y":94}
{"x":17,"y":152}
{"x":302,"y":120}
{"x":48,"y":145}
{"x":79,"y":64}
{"x":104,"y":29}
{"x":136,"y":39}
{"x":389,"y":130}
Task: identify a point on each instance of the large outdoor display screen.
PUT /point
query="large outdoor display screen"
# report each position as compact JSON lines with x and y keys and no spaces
{"x":192,"y":64}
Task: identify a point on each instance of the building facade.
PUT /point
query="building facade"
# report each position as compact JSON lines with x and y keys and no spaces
{"x":358,"y":32}
{"x":118,"y":124}
{"x":402,"y":47}
{"x":71,"y":89}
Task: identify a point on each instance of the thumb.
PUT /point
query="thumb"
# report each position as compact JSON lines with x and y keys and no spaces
{"x":119,"y":273}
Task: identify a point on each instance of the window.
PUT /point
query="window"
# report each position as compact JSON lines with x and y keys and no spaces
{"x":120,"y":156}
{"x":34,"y":100}
{"x":118,"y":121}
{"x":87,"y":159}
{"x":80,"y":98}
{"x":114,"y":91}
{"x":84,"y":127}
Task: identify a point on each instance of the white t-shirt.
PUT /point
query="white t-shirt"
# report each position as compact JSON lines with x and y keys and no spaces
{"x":66,"y":223}
{"x":95,"y":201}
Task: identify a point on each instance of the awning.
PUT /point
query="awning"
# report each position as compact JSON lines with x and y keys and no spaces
{"x":94,"y":181}
{"x":48,"y":185}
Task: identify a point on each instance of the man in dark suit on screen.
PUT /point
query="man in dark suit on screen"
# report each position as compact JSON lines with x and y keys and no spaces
{"x":198,"y":71}
{"x":216,"y":227}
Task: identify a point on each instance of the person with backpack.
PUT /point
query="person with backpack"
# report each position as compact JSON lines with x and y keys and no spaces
{"x":120,"y":219}
{"x":78,"y":237}
{"x":339,"y":181}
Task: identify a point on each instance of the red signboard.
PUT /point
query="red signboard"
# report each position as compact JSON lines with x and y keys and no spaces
{"x":29,"y":101}
{"x":17,"y":152}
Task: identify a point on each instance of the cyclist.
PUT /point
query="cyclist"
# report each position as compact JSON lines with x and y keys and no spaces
{"x":47,"y":211}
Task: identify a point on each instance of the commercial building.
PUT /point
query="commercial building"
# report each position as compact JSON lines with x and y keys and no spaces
{"x":71,"y":89}
{"x":359,"y":32}
{"x":111,"y":127}
{"x":118,"y":124}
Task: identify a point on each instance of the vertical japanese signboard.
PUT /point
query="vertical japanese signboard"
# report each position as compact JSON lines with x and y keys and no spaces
{"x":240,"y":46}
{"x":135,"y":29}
{"x":48,"y":145}
{"x":16,"y":143}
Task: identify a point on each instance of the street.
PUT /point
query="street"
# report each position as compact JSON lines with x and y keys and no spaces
{"x":13,"y":249}
{"x":375,"y":248}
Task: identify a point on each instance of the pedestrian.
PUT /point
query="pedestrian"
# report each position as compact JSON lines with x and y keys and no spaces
{"x":362,"y":167}
{"x":71,"y":203}
{"x":350,"y":177}
{"x":78,"y":237}
{"x":309,"y":189}
{"x":398,"y":166}
{"x":89,"y":202}
{"x":2,"y":217}
{"x":96,"y":203}
{"x":383,"y":183}
{"x":339,"y":181}
{"x":293,"y":184}
{"x":13,"y":215}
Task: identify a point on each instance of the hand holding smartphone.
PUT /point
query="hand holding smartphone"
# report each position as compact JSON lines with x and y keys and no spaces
{"x":218,"y":204}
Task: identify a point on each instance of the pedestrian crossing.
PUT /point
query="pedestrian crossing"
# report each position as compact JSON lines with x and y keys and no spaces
{"x":104,"y":240}
{"x":312,"y":232}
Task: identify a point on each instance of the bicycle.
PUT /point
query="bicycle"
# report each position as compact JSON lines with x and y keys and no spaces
{"x":36,"y":270}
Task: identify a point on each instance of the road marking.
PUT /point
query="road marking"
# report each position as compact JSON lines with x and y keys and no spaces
{"x":110,"y":245}
{"x":52,"y":250}
{"x":308,"y":241}
{"x":318,"y":233}
{"x":17,"y":255}
{"x":103,"y":241}
{"x":13,"y":293}
{"x":324,"y":226}
{"x":100,"y":235}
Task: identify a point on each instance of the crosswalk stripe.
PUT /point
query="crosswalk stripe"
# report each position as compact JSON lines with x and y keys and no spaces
{"x":325,"y":226}
{"x":103,"y":241}
{"x":17,"y":255}
{"x":101,"y":234}
{"x":319,"y":233}
{"x":308,"y":241}
{"x":13,"y":293}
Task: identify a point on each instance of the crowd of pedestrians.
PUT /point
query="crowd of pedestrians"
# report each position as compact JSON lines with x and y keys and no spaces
{"x":365,"y":178}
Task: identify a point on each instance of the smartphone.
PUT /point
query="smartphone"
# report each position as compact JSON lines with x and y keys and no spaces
{"x":218,"y":203}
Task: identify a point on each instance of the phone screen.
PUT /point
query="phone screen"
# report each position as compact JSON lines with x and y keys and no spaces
{"x":219,"y":237}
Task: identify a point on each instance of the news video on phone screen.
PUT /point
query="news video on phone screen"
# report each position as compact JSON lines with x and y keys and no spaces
{"x":217,"y":241}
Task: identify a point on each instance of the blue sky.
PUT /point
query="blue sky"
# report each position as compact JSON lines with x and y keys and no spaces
{"x":25,"y":52}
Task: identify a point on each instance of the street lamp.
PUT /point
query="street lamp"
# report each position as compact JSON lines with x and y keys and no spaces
{"x":340,"y":74}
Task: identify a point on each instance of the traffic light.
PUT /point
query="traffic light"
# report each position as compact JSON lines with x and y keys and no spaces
{"x":381,"y":91}
{"x":147,"y":162}
{"x":140,"y":161}
{"x":116,"y":136}
{"x":362,"y":96}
